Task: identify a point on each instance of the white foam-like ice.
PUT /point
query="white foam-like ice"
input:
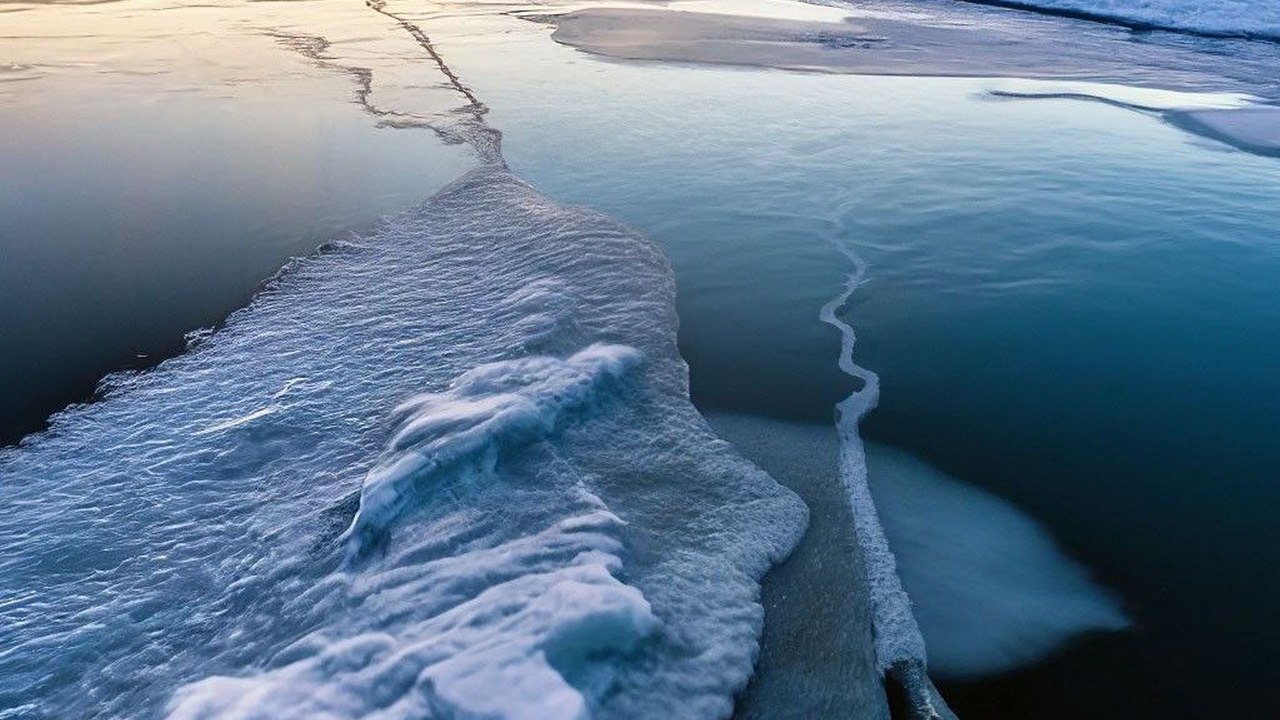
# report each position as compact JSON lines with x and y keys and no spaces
{"x":485,"y":398}
{"x":899,"y":644}
{"x":552,"y":610}
{"x":495,"y":408}
{"x":1247,"y":18}
{"x":897,"y":635}
{"x":1138,"y":98}
{"x":1253,"y":129}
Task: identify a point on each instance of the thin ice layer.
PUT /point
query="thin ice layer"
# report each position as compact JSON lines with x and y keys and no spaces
{"x":990,"y":587}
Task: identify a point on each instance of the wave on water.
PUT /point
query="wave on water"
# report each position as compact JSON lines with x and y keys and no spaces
{"x":449,"y":469}
{"x":1259,"y":19}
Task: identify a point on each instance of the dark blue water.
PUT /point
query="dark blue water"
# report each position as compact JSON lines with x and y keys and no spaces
{"x":1071,"y":305}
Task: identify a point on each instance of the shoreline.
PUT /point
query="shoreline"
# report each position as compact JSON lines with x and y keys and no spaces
{"x":861,"y":45}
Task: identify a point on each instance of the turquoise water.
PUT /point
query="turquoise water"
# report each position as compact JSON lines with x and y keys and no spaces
{"x":1070,"y":304}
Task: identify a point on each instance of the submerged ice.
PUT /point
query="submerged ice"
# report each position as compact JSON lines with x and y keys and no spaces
{"x":992,"y":592}
{"x":1237,"y":119}
{"x":449,"y":469}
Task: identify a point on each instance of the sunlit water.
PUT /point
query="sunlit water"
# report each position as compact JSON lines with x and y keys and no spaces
{"x":154,"y":176}
{"x":1070,"y":305}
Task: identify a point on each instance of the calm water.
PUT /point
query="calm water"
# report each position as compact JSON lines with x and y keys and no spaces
{"x":145,"y":194}
{"x":1069,"y":304}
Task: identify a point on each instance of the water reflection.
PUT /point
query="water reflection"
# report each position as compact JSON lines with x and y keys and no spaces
{"x":160,"y":162}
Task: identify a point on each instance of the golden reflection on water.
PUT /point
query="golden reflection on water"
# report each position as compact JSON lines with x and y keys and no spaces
{"x":146,"y":51}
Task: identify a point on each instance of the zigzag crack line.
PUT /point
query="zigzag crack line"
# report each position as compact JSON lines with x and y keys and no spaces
{"x":485,"y":139}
